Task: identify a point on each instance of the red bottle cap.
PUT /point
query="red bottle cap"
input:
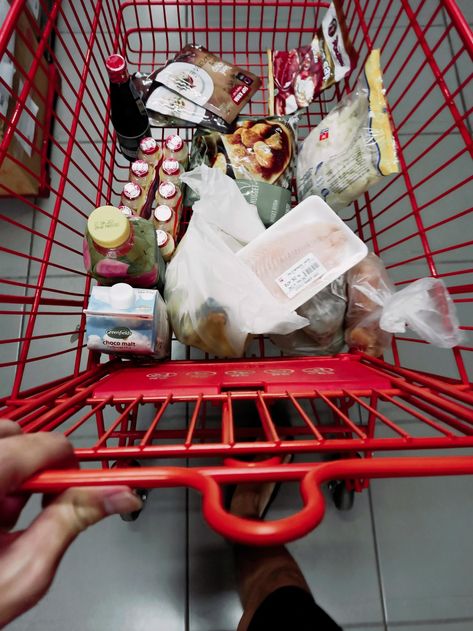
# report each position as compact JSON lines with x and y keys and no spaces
{"x":171,"y":167}
{"x":116,"y":68}
{"x":140,"y":168}
{"x":174,"y":142}
{"x":167,"y":190}
{"x":149,"y":146}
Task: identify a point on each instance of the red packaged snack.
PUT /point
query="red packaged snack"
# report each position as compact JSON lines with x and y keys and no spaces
{"x":298,"y":75}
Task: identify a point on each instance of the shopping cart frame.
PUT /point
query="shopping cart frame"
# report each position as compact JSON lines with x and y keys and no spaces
{"x":352,"y":389}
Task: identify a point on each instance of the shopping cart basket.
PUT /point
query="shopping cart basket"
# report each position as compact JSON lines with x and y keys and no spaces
{"x":357,"y":408}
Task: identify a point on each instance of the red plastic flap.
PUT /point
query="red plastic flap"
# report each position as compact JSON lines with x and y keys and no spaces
{"x":277,"y":376}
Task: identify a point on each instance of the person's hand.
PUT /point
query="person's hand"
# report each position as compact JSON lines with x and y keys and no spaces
{"x":29,"y":558}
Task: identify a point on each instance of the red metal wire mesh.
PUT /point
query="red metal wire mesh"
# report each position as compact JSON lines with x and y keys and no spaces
{"x":418,"y":221}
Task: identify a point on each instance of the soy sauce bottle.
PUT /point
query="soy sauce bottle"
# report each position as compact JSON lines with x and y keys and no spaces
{"x":128,"y":113}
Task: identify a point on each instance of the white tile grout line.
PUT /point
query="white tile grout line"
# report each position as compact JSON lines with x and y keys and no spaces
{"x":382,"y":592}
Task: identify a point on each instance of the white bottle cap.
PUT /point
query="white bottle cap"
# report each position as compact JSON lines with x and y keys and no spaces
{"x":163,"y":213}
{"x":162,"y":238}
{"x":122,"y":296}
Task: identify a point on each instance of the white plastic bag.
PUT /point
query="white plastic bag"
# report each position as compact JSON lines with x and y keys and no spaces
{"x":376,"y":310}
{"x":214,"y":300}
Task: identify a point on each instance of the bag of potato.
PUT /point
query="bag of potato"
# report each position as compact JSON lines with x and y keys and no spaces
{"x":376,"y":310}
{"x":215,"y":302}
{"x":259,"y":155}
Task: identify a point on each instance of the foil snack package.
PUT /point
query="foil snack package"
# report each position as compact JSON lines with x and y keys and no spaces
{"x":208,"y":81}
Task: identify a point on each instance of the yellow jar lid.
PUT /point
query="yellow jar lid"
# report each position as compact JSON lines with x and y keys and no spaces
{"x":108,"y":227}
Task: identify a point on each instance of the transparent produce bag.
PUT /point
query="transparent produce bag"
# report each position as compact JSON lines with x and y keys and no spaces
{"x":353,"y":147}
{"x":324,"y":335}
{"x":376,"y":310}
{"x":215,"y":302}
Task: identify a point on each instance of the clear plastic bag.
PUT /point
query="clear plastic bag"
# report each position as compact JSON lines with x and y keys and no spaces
{"x":376,"y":310}
{"x":352,"y":148}
{"x":324,"y":335}
{"x":215,"y":302}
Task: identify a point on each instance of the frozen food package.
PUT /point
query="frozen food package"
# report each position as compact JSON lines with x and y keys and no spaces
{"x":298,"y":75}
{"x":352,"y":148}
{"x":303,"y":252}
{"x":208,"y":81}
{"x":167,"y":108}
{"x":376,"y":310}
{"x":324,"y":335}
{"x":259,"y":155}
{"x":215,"y":302}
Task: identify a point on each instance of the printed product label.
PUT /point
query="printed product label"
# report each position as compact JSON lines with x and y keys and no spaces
{"x":303,"y":273}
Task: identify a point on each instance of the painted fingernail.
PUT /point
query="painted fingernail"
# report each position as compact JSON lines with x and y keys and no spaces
{"x":122,"y":502}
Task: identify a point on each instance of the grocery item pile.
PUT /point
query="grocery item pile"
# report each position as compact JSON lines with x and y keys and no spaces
{"x":251,"y":261}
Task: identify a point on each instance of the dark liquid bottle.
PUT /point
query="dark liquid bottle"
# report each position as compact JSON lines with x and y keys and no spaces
{"x":128,"y":113}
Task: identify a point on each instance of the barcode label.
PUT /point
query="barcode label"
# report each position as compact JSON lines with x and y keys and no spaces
{"x":297,"y":277}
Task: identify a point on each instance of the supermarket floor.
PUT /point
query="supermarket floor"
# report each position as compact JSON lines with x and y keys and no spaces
{"x":401,"y":560}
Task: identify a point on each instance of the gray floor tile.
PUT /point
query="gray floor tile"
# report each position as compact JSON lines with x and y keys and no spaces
{"x":53,"y":320}
{"x":120,"y":575}
{"x":16,"y":238}
{"x":397,"y":232}
{"x":79,"y":198}
{"x":467,"y":9}
{"x":424,"y":546}
{"x":11,"y":330}
{"x":214,"y":604}
{"x":440,"y":625}
{"x":337,"y":560}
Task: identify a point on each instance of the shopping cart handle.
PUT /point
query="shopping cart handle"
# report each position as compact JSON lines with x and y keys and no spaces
{"x":209,"y":480}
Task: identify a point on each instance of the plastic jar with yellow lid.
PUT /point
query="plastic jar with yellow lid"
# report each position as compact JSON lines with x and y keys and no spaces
{"x":119,"y":250}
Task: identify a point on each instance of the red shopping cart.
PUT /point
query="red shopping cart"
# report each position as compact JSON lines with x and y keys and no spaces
{"x":380,"y":417}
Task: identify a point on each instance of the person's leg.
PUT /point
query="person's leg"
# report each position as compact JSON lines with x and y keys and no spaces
{"x":274,"y":593}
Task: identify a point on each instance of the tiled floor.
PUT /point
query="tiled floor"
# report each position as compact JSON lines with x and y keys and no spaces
{"x":400,"y":560}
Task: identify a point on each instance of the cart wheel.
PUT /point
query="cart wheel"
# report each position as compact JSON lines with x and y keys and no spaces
{"x":142,"y":494}
{"x":343,"y":498}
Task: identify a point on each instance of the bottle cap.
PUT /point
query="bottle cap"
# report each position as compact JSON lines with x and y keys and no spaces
{"x":167,"y":190}
{"x":122,"y":296}
{"x":108,"y":227}
{"x":149,"y":145}
{"x":162,"y":213}
{"x":140,"y":168}
{"x":126,"y":211}
{"x":116,"y":68}
{"x":131,"y":190}
{"x":162,"y":238}
{"x":174,"y":142}
{"x":171,"y":166}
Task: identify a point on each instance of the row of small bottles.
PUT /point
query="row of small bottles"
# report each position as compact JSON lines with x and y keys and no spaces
{"x":154,"y":178}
